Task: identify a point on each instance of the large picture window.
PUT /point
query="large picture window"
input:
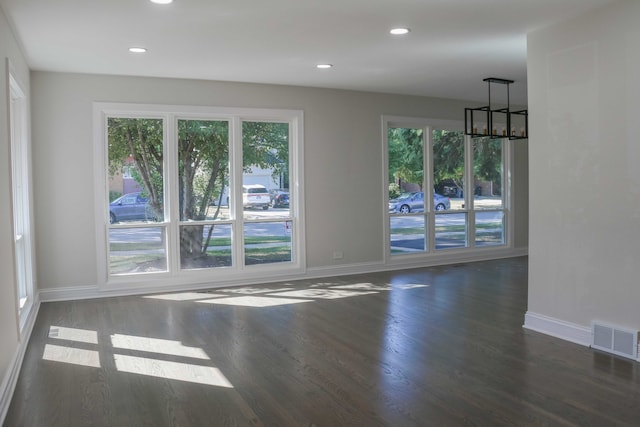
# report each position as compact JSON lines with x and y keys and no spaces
{"x":186,"y":191}
{"x":445,"y":191}
{"x":21,"y":202}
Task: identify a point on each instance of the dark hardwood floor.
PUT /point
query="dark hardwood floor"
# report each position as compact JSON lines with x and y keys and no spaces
{"x":437,"y":346}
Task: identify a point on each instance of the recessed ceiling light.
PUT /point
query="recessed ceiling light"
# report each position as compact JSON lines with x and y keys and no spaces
{"x":324,"y":66}
{"x":399,"y":31}
{"x":138,"y":49}
{"x":161,"y":1}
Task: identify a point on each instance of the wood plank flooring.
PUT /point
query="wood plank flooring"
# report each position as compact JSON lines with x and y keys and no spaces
{"x":437,"y":346}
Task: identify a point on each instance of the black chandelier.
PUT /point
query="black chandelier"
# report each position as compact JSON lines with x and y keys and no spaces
{"x":493,"y":122}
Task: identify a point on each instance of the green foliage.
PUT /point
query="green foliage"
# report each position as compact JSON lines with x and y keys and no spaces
{"x":448,"y":157}
{"x":394,"y":191}
{"x":487,"y":158}
{"x":203,"y":158}
{"x":266,"y":145}
{"x":406,"y":157}
{"x":140,"y":141}
{"x":267,"y":255}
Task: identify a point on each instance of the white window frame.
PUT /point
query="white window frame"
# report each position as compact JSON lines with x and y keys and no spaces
{"x":443,"y":255}
{"x":175,"y":276}
{"x":21,"y":203}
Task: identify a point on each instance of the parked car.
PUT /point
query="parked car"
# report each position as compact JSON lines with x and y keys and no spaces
{"x":279,"y":198}
{"x":255,"y":196}
{"x":131,"y":206}
{"x":414,"y":202}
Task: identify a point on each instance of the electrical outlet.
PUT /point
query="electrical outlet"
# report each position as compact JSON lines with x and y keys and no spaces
{"x":338,"y":255}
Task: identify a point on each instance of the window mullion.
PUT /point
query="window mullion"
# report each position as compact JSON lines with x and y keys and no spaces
{"x":429,"y":210}
{"x":172,"y":208}
{"x":385,"y":185}
{"x":507,"y":163}
{"x":235,"y":190}
{"x":469,"y":191}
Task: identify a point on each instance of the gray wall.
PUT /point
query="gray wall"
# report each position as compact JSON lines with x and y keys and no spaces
{"x":343,"y":162}
{"x":584,"y":236}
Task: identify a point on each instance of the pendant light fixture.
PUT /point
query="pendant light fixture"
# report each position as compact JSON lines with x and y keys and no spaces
{"x":495,"y":121}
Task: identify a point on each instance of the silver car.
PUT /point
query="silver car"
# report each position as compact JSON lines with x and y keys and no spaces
{"x":414,"y":202}
{"x":130,"y":207}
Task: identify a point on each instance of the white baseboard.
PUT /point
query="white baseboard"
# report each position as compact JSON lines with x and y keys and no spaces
{"x":68,"y":293}
{"x":342,"y":270}
{"x":93,"y":291}
{"x":567,"y":331}
{"x":436,"y":260}
{"x":8,"y":385}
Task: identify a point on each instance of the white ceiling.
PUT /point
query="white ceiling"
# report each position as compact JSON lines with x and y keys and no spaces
{"x":452,"y":46}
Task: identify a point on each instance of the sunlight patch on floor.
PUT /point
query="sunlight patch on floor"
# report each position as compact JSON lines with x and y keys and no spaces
{"x":74,"y":356}
{"x":184,"y":296}
{"x":254,"y":301}
{"x":156,"y":345}
{"x":408,"y":286}
{"x":252,"y":290}
{"x":363,"y":287}
{"x":73,"y":334}
{"x":207,"y":375}
{"x":149,"y":366}
{"x":321,"y":293}
{"x":258,"y":296}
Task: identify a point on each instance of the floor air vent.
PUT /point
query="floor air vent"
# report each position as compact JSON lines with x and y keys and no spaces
{"x":612,"y":339}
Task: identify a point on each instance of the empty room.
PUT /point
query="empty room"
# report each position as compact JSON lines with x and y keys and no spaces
{"x":337,"y":213}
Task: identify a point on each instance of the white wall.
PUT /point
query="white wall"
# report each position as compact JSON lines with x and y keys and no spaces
{"x":584,"y":153}
{"x":343,"y":162}
{"x":9,"y":339}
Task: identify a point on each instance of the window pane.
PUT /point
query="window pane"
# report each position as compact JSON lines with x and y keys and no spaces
{"x":137,"y":250}
{"x":21,"y":270}
{"x":265,"y":164}
{"x":20,"y":167}
{"x":487,"y":172}
{"x":203,"y":169}
{"x":407,"y":234}
{"x":406,"y":168}
{"x":489,"y":228}
{"x":216,"y":238}
{"x":451,"y":231}
{"x":267,"y":242}
{"x":136,"y":185}
{"x":448,"y":166}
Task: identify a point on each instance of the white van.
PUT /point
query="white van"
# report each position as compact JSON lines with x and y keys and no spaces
{"x":255,"y":196}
